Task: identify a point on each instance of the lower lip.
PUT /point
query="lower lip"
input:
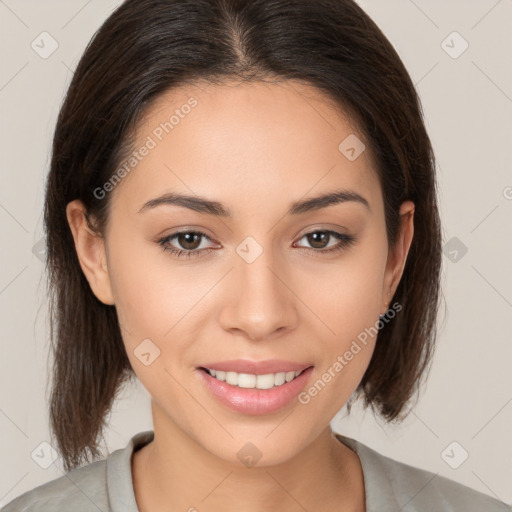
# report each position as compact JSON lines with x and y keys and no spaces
{"x":255,"y":401}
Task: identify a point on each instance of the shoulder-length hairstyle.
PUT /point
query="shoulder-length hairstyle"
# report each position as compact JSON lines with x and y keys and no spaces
{"x":147,"y":47}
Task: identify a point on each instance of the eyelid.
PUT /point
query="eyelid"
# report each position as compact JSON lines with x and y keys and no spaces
{"x":322,"y":227}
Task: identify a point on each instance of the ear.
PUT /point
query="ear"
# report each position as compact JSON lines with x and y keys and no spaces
{"x":397,"y":255}
{"x":90,"y":249}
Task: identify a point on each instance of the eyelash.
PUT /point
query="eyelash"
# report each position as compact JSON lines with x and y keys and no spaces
{"x":344,"y":242}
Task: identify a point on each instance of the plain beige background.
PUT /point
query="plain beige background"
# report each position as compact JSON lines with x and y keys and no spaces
{"x":466,"y":407}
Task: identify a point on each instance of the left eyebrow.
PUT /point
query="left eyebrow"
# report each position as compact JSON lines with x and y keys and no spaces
{"x":324,"y":200}
{"x":210,"y":207}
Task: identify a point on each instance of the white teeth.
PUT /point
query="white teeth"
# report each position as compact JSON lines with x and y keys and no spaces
{"x":265,"y":381}
{"x":290,"y":376}
{"x":245,"y":380}
{"x":251,"y":381}
{"x":280,"y":378}
{"x":232,"y":378}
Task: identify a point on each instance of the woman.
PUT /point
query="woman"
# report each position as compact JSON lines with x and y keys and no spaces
{"x":212,"y":162}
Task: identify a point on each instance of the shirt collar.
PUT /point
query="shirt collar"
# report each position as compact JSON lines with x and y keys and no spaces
{"x":378,"y":491}
{"x":121,"y":495}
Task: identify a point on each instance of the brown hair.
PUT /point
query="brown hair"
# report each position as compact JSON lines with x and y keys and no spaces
{"x":147,"y":47}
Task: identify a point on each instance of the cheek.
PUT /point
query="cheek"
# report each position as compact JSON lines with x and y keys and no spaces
{"x":160,"y":307}
{"x":347,"y":302}
{"x":347,"y":295}
{"x":149,"y":291}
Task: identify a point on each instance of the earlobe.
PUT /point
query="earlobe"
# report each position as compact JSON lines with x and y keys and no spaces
{"x":90,"y":249}
{"x":397,"y":256}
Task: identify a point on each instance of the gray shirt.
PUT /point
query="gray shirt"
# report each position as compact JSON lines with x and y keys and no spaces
{"x":390,"y":486}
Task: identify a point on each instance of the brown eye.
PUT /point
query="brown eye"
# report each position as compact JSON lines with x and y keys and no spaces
{"x":320,"y":239}
{"x":188,"y":243}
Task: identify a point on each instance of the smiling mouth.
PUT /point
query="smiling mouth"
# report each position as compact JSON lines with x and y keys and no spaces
{"x":253,"y":381}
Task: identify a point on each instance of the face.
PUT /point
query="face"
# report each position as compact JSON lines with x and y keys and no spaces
{"x":261,"y":274}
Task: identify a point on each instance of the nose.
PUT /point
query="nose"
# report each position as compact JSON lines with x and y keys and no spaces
{"x":259,"y":301}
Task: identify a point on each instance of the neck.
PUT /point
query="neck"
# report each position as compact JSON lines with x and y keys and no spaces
{"x":174,"y":472}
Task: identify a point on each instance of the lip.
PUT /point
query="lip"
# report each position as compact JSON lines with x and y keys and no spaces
{"x":256,"y":367}
{"x":255,"y":401}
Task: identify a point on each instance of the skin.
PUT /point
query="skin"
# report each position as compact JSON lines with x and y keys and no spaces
{"x":217,"y":306}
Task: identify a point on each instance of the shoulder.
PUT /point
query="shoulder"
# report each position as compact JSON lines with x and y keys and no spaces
{"x":82,"y":489}
{"x":426,"y":491}
{"x":101,"y":486}
{"x":412,"y":489}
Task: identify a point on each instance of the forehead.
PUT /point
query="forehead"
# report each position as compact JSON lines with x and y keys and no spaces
{"x":255,"y":142}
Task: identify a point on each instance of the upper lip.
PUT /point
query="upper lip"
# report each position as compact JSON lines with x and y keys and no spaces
{"x":256,"y":367}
